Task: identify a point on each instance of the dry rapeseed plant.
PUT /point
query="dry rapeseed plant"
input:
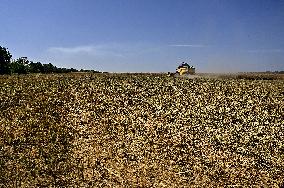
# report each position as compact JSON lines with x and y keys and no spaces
{"x":135,"y":130}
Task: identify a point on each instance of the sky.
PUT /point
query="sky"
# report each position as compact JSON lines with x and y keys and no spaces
{"x":146,"y":35}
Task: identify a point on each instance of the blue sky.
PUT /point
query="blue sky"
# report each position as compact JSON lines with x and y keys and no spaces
{"x":146,"y":35}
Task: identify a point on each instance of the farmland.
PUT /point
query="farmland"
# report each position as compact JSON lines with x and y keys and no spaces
{"x":140,"y":130}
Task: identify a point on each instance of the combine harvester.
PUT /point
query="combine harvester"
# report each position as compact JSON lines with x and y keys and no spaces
{"x":184,"y":70}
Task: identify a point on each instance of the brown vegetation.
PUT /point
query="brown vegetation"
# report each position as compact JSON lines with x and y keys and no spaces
{"x":116,"y":130}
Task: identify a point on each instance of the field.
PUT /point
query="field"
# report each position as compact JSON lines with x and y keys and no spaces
{"x":141,"y":130}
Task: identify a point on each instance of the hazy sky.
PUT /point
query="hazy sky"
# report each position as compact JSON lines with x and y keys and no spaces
{"x":146,"y":35}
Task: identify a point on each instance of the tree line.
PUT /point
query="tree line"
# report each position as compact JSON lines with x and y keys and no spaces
{"x":23,"y":66}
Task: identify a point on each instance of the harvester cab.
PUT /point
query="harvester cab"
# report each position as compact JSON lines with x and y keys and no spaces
{"x":185,"y":69}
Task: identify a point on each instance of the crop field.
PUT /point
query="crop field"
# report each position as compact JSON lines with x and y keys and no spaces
{"x":141,"y":130}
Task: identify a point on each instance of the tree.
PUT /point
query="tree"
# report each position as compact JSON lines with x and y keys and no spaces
{"x":23,"y":65}
{"x":48,"y":68}
{"x":35,"y":67}
{"x":20,"y":66}
{"x":5,"y":60}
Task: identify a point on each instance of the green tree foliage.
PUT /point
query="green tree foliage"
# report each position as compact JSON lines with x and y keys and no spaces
{"x":48,"y":68}
{"x":19,"y":66}
{"x":5,"y":60}
{"x":23,"y":65}
{"x":35,"y":67}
